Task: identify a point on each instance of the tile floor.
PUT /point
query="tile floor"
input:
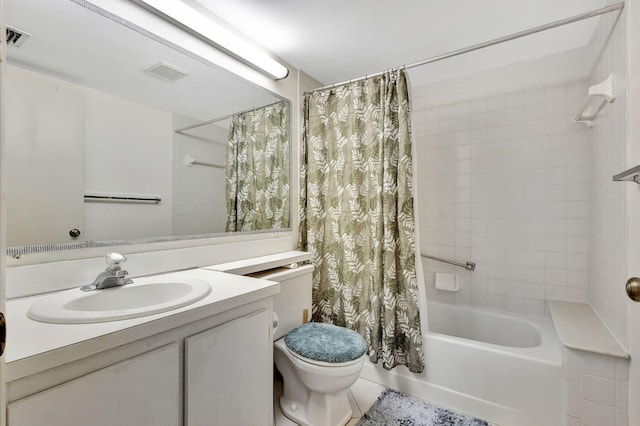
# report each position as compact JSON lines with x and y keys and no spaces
{"x":362,"y":395}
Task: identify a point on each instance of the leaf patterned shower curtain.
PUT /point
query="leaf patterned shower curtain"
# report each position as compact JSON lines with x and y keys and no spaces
{"x":257,"y":169}
{"x":356,"y":215}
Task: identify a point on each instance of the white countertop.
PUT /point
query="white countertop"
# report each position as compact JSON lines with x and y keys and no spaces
{"x":35,"y":346}
{"x":262,"y":263}
{"x":579,"y":327}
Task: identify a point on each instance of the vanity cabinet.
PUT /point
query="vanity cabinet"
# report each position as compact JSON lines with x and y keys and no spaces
{"x":229,"y":373}
{"x":143,"y":390}
{"x":216,"y":370}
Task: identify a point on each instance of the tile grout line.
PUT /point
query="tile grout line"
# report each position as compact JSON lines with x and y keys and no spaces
{"x":357,"y":405}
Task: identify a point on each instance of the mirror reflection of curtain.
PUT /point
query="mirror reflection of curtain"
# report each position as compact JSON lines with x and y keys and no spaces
{"x":357,"y":217}
{"x":257,"y":169}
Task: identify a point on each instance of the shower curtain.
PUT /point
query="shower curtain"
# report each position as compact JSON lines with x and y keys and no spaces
{"x":357,"y":218}
{"x":257,"y":169}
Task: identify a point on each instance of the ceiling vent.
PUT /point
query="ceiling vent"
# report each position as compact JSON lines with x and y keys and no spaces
{"x":16,"y":37}
{"x":166,"y":71}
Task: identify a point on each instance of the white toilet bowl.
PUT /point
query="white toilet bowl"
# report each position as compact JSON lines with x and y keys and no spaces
{"x":318,"y":362}
{"x":315,"y":392}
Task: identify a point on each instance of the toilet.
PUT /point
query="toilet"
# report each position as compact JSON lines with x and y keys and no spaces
{"x":318,"y":362}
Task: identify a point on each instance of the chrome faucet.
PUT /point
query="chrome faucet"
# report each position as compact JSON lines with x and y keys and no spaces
{"x":113,"y":276}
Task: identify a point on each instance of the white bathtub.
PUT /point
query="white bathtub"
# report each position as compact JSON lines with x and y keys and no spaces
{"x":504,"y":368}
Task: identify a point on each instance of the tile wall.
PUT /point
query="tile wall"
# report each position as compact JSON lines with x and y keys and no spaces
{"x":503,"y":178}
{"x":507,"y":180}
{"x":609,"y":230}
{"x":597,"y":385}
{"x":597,"y":389}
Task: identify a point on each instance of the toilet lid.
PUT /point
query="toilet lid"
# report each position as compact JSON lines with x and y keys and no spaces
{"x":326,"y":342}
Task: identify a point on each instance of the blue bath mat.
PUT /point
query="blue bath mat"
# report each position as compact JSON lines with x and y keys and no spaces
{"x":395,"y":408}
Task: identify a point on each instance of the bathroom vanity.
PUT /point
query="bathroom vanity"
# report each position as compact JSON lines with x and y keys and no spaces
{"x":194,"y":365}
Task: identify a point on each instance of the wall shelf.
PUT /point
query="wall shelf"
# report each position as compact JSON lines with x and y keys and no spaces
{"x":579,"y":327}
{"x":630,"y":175}
{"x":599,"y":95}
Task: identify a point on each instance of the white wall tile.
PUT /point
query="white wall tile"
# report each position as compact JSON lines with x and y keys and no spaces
{"x":598,"y":389}
{"x":578,"y":294}
{"x":534,"y":291}
{"x":607,"y":268}
{"x":622,"y":417}
{"x":535,"y":307}
{"x":599,"y":382}
{"x":599,"y":365}
{"x":555,"y":260}
{"x":622,"y":395}
{"x":516,"y":305}
{"x":555,"y":292}
{"x":577,"y":261}
{"x":505,"y":155}
{"x":622,"y":370}
{"x":573,"y":421}
{"x":572,"y":365}
{"x":573,"y":399}
{"x":594,"y":414}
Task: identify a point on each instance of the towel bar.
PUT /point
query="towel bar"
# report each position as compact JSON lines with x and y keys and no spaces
{"x":471,"y":266}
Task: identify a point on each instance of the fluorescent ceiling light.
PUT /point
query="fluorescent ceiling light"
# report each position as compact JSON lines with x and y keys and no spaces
{"x":218,"y":35}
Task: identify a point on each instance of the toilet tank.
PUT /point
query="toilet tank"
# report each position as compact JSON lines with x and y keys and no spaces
{"x":294,"y":297}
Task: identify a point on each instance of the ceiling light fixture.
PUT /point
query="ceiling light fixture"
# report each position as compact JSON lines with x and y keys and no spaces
{"x":223,"y":39}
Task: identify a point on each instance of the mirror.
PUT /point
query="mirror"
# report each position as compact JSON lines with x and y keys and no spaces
{"x":114,"y":134}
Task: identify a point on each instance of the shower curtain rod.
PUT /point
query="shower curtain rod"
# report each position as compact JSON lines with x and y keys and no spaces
{"x":530,"y":31}
{"x":213,"y":120}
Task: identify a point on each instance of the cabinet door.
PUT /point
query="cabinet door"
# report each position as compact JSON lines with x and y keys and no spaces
{"x":229,"y":374}
{"x":140,"y":391}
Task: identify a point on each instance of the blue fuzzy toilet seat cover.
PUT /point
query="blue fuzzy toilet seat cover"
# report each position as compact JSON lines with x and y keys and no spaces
{"x":326,"y":342}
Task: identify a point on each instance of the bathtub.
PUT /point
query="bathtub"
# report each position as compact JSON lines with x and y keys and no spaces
{"x":504,"y":368}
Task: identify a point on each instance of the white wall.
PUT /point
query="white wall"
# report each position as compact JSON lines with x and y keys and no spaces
{"x":45,"y":198}
{"x":93,"y":143}
{"x":503,"y":181}
{"x":199,"y":192}
{"x":128,"y":152}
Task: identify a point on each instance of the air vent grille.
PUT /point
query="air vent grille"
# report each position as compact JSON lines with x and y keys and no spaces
{"x":16,"y":37}
{"x":166,"y":71}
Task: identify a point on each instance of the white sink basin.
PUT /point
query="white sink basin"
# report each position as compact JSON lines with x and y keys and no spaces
{"x":116,"y":303}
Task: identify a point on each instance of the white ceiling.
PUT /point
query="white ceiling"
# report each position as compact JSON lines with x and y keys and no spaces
{"x":335,"y":40}
{"x":75,"y":44}
{"x":332,"y":40}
